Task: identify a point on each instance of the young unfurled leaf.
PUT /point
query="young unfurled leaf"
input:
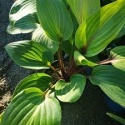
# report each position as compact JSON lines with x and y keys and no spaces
{"x":82,"y":9}
{"x":81,"y":60}
{"x":97,"y":31}
{"x":118,"y":57}
{"x":117,"y":118}
{"x":22,"y":17}
{"x":70,"y":91}
{"x":40,"y":36}
{"x":111,"y":81}
{"x":55,"y":19}
{"x":30,"y":54}
{"x":39,"y":80}
{"x":31,"y":107}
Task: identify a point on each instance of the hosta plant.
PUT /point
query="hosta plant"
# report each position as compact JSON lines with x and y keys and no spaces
{"x":68,"y":39}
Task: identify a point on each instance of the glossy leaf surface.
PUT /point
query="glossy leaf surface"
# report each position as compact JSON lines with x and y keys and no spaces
{"x":31,"y":107}
{"x":21,"y":8}
{"x":111,"y":81}
{"x":118,"y":57}
{"x":55,"y":19}
{"x":82,"y":9}
{"x":24,"y":25}
{"x":97,"y":31}
{"x":40,"y":36}
{"x":29,"y":54}
{"x":70,"y":91}
{"x":22,"y":17}
{"x":39,"y":80}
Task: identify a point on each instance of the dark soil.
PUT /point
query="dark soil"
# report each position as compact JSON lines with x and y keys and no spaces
{"x":10,"y":73}
{"x":89,"y":110}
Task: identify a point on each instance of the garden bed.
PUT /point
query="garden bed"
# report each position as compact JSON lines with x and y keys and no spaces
{"x":89,"y":110}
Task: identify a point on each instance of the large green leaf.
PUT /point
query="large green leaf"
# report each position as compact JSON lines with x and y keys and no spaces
{"x":82,"y":9}
{"x":81,"y":60}
{"x":32,"y":107}
{"x":117,"y":56}
{"x":30,"y":54}
{"x":39,"y":80}
{"x":22,"y":17}
{"x":40,"y":36}
{"x":117,"y":118}
{"x":97,"y":31}
{"x":111,"y":81}
{"x":70,"y":91}
{"x":55,"y":19}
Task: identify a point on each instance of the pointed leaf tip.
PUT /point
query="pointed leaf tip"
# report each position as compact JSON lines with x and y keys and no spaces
{"x":29,"y":54}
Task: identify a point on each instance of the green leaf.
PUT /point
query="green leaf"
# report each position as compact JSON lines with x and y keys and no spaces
{"x":22,"y":8}
{"x":1,"y":117}
{"x":70,"y":91}
{"x":55,"y":19}
{"x":97,"y":31}
{"x":121,"y":33}
{"x":40,"y":36}
{"x":117,"y":118}
{"x":67,"y":46}
{"x":81,"y":60}
{"x":32,"y":107}
{"x":24,"y":25}
{"x":111,"y":81}
{"x":117,"y":56}
{"x":29,"y":54}
{"x":39,"y":80}
{"x":82,"y":9}
{"x":23,"y":18}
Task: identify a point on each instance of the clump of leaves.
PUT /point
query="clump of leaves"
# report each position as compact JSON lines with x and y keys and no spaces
{"x":67,"y":38}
